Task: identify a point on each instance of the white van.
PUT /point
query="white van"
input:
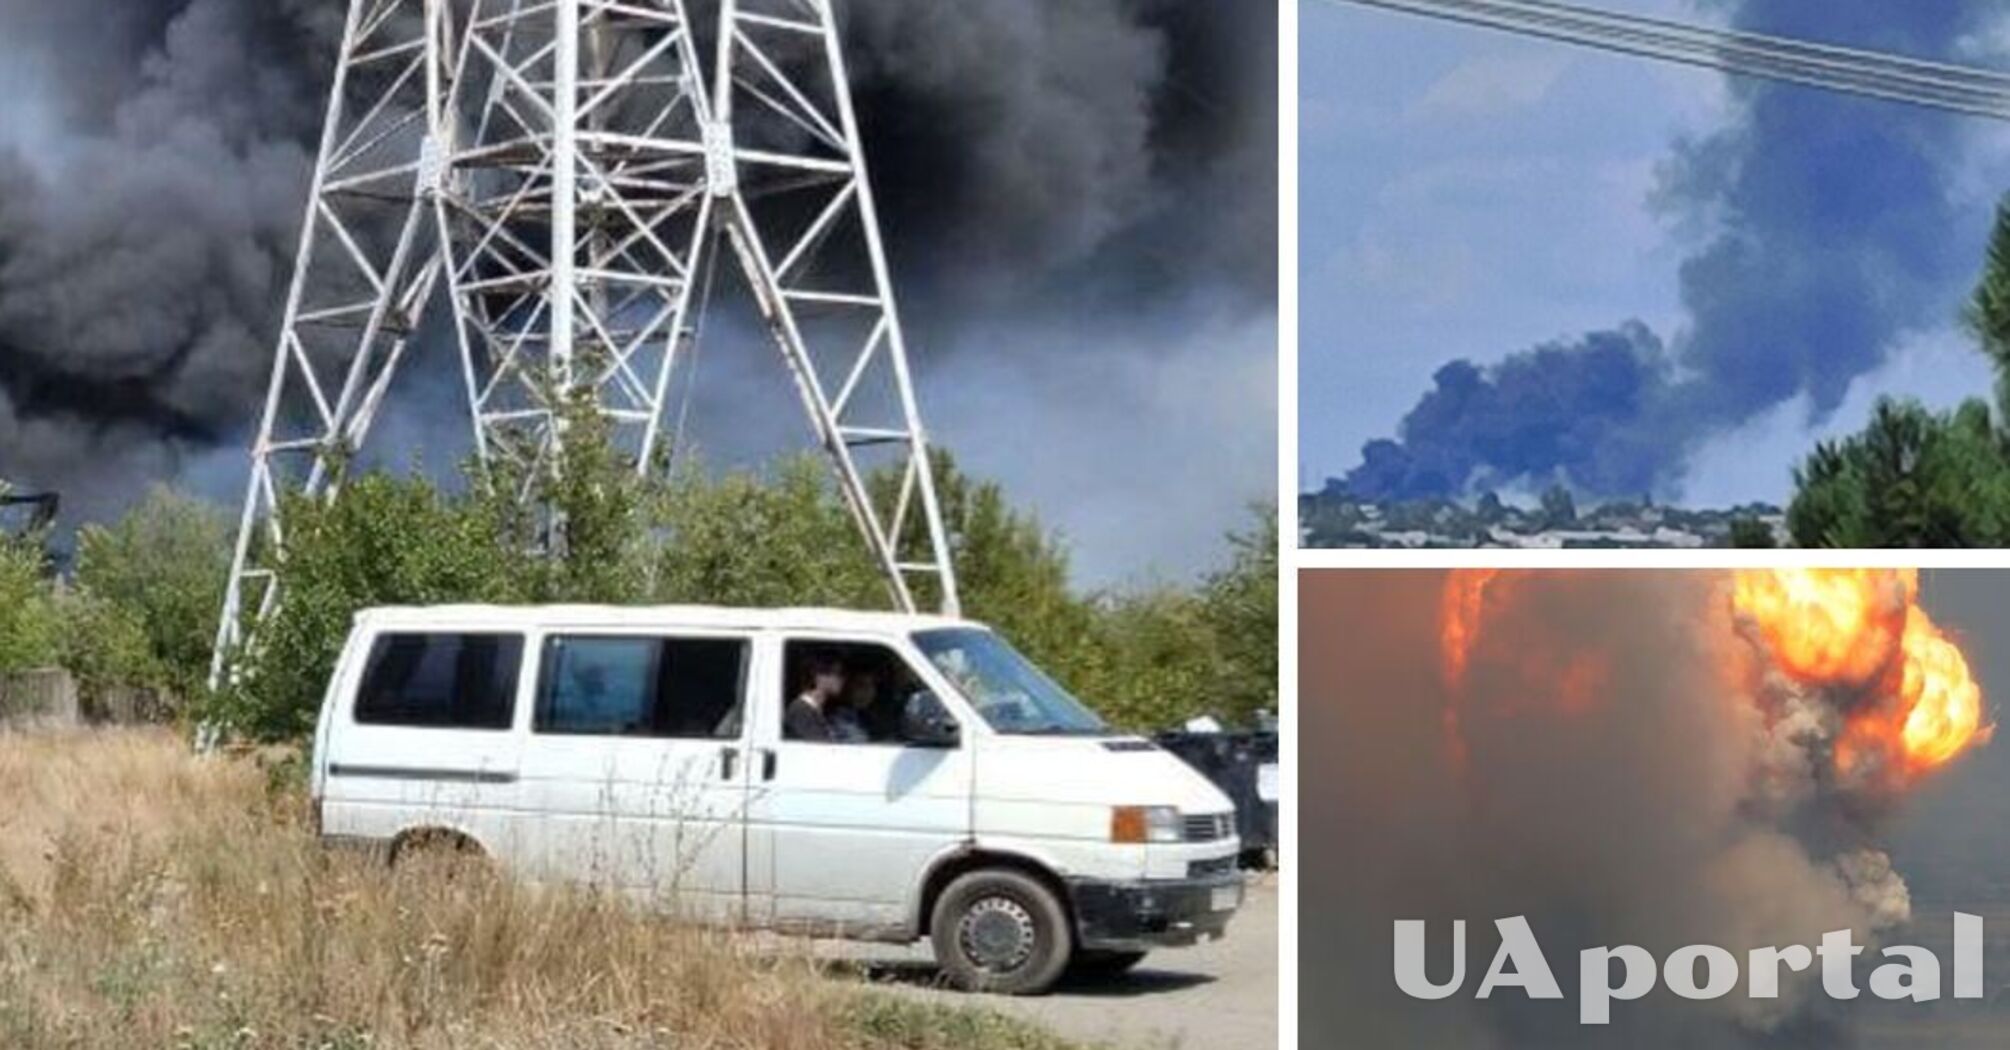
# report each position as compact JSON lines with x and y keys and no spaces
{"x":939,"y":785}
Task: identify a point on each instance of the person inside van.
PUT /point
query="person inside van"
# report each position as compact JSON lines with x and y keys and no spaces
{"x":850,"y":719}
{"x":807,"y":717}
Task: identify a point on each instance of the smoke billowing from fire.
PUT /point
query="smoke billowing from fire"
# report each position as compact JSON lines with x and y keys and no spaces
{"x":1832,"y":228}
{"x":1645,"y":758}
{"x":1892,"y":696}
{"x":1856,"y":644}
{"x":1038,"y":161}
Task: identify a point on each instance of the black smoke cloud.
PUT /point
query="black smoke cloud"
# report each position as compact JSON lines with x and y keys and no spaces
{"x":1036,"y":160}
{"x":143,"y":248}
{"x":1830,"y":230}
{"x":1034,"y":145}
{"x":1569,"y":408}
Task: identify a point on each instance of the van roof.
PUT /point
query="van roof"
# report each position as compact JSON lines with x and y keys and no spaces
{"x":713,"y":616}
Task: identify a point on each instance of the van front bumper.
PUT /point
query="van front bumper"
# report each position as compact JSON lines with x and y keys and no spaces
{"x":1153,"y":913}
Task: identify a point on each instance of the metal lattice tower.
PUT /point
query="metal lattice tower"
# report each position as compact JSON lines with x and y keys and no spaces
{"x":548,"y":183}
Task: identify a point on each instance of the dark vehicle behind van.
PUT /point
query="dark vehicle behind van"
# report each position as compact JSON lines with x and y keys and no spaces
{"x":1235,"y":761}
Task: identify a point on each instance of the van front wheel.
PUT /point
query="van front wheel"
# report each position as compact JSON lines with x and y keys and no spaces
{"x":1001,"y":931}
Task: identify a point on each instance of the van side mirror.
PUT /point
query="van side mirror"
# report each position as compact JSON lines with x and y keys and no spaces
{"x":924,"y":722}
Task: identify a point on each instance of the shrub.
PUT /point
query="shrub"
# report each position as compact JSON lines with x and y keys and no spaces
{"x":155,"y":577}
{"x":30,"y":627}
{"x":387,"y":541}
{"x":598,"y":533}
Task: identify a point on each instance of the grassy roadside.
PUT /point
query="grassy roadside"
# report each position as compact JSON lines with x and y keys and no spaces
{"x":150,"y":898}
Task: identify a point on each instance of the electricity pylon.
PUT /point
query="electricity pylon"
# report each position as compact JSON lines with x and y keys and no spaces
{"x":549,"y":185}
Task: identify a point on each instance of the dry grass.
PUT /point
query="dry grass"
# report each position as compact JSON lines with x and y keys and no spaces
{"x":150,"y":898}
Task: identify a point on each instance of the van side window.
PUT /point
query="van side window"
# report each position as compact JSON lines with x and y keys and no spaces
{"x":687,"y":688}
{"x":442,"y":681}
{"x":844,"y":692}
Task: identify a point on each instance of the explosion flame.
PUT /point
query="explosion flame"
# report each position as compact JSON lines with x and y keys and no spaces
{"x":1464,"y":602}
{"x":1900,"y":689}
{"x":1861,"y":632}
{"x":1463,"y":606}
{"x":1746,"y":732}
{"x":1827,"y":626}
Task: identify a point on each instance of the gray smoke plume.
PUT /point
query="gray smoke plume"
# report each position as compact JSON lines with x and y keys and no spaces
{"x":146,"y":220}
{"x":1831,"y":230}
{"x":1626,"y":772}
{"x":1036,"y":160}
{"x":1578,"y":409}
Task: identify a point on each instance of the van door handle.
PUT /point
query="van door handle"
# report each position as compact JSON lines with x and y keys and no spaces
{"x":728,"y":757}
{"x":768,"y":761}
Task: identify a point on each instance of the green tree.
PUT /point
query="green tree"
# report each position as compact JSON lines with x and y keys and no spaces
{"x":387,"y":541}
{"x":595,"y":502}
{"x":150,"y":590}
{"x":594,"y":531}
{"x":1911,"y":478}
{"x":1988,"y":313}
{"x":573,"y":529}
{"x":744,"y":538}
{"x":1751,"y":533}
{"x":1168,"y":654}
{"x":1914,"y":478}
{"x":106,"y":645}
{"x":1160,"y":662}
{"x":30,"y":628}
{"x":1240,"y":605}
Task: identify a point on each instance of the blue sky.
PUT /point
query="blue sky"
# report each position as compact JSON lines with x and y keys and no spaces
{"x":1468,"y":193}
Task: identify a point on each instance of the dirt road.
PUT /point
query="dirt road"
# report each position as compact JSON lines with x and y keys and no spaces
{"x":1220,"y":996}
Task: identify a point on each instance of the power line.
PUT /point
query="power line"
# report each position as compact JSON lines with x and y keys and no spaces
{"x":1679,"y":42}
{"x":1896,"y":78}
{"x":1892,"y":77}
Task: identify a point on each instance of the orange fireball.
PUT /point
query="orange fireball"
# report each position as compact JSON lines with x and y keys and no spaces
{"x":1827,"y":626}
{"x":1942,"y":703}
{"x":1863,"y":629}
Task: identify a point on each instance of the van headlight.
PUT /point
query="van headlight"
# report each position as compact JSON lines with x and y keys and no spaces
{"x":1139,"y":824}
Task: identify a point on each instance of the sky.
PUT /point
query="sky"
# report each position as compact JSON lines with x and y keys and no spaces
{"x":1466,"y":193}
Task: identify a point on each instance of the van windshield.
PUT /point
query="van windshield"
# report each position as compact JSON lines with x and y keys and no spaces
{"x":1011,"y":693}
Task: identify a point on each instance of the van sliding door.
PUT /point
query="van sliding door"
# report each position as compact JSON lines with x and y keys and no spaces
{"x":636,"y":769}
